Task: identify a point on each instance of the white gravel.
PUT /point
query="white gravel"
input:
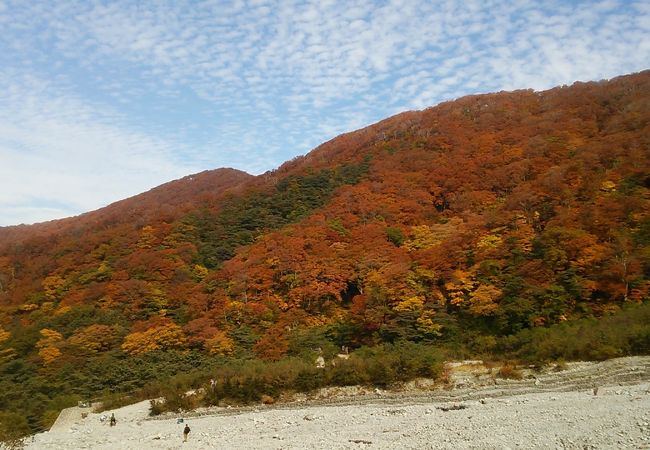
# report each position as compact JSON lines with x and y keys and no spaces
{"x":617,"y":417}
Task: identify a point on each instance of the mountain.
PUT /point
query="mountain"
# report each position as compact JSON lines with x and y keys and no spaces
{"x":469,"y":226}
{"x":165,"y":202}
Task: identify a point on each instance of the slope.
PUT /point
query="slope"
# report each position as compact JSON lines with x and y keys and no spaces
{"x":465,"y":226}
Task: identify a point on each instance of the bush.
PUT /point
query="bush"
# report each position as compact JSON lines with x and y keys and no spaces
{"x":309,"y":379}
{"x":386,"y":364}
{"x":174,"y":400}
{"x":621,"y":334}
{"x":418,"y":360}
{"x":640,"y":341}
{"x":510,"y":372}
{"x":267,"y":399}
{"x":381,"y":372}
{"x":13,"y":428}
{"x":395,"y":236}
{"x":157,"y":407}
{"x":347,"y":373}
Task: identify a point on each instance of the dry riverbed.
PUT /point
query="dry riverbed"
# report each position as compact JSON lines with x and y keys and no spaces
{"x":585,"y":405}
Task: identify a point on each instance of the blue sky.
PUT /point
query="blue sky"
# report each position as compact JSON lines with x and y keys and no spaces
{"x":101,"y":100}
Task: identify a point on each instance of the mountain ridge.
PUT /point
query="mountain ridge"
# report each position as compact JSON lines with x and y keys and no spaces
{"x":211,"y":184}
{"x":368,"y":134}
{"x":488,"y":225}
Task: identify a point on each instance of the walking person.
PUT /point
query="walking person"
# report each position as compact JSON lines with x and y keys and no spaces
{"x":186,"y":431}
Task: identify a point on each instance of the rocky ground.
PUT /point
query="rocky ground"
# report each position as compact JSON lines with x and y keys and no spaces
{"x":582,"y":405}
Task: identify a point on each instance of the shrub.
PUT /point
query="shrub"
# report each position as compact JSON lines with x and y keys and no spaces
{"x":418,"y":360}
{"x":624,"y":333}
{"x":381,"y":372}
{"x":510,"y":372}
{"x":395,"y":236}
{"x":174,"y":400}
{"x":157,"y":407}
{"x":347,"y":373}
{"x":267,"y":399}
{"x":309,"y":379}
{"x":640,"y":341}
{"x":13,"y":427}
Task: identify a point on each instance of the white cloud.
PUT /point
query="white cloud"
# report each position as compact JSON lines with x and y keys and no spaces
{"x":57,"y":150}
{"x":257,"y":82}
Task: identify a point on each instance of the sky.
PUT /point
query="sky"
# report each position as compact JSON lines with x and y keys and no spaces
{"x":102,"y":100}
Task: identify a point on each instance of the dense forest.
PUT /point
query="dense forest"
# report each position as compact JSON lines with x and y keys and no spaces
{"x":494,"y":225}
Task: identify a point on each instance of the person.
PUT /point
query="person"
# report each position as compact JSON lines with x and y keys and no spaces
{"x":186,"y":431}
{"x":113,"y":420}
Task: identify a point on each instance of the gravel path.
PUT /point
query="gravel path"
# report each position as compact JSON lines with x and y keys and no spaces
{"x":551,"y":410}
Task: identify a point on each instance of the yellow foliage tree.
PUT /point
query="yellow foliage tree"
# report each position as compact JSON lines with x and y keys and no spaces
{"x":48,"y":345}
{"x":163,"y":337}
{"x":483,"y":301}
{"x":94,"y":338}
{"x":523,"y":235}
{"x":427,"y":236}
{"x":427,"y":326}
{"x":220,"y":344}
{"x":50,"y":338}
{"x":376,"y":287}
{"x":170,"y":336}
{"x":156,"y":300}
{"x":54,"y":287}
{"x":413,"y":303}
{"x":49,"y":354}
{"x":7,"y":354}
{"x":26,"y":307}
{"x":420,"y":280}
{"x":489,"y":241}
{"x":460,"y":285}
{"x":199,"y":271}
{"x":4,"y":335}
{"x":147,"y":237}
{"x":421,"y":237}
{"x":608,"y":186}
{"x":479,"y":299}
{"x":62,"y":310}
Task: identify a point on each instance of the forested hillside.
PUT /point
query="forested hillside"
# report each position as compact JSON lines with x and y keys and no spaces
{"x":466,"y":226}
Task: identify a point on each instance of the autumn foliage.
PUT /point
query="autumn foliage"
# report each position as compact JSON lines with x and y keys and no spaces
{"x":467,"y":223}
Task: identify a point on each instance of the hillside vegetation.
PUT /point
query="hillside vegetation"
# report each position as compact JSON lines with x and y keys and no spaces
{"x":512,"y":225}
